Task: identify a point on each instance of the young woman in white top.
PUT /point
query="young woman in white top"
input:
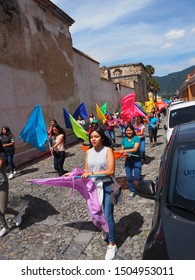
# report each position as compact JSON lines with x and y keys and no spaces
{"x":140,"y":131}
{"x":100,"y":160}
{"x":58,"y":149}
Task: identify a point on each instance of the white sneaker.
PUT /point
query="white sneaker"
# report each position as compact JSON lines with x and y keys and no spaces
{"x":18,"y":219}
{"x":4,"y":231}
{"x":111,"y":251}
{"x":15,"y":172}
{"x":11,"y":176}
{"x":104,"y":235}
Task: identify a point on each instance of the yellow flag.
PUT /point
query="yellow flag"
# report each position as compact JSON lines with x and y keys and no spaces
{"x":100,"y":115}
{"x":149,"y":105}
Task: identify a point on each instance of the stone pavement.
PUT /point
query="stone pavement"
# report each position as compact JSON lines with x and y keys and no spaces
{"x":56,"y":224}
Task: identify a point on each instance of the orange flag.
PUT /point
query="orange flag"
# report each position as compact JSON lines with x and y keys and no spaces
{"x":117,"y":155}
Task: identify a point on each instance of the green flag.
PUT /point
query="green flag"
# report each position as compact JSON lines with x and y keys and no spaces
{"x":104,"y":108}
{"x":78,"y":130}
{"x":100,"y":115}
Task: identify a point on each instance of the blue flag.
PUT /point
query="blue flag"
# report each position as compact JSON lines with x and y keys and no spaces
{"x":67,"y":119}
{"x":81,"y":110}
{"x":141,"y":109}
{"x":35,"y":132}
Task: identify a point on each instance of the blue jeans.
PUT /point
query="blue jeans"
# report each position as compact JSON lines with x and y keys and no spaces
{"x":133,"y":164}
{"x":10,"y":156}
{"x":108,"y":208}
{"x":111,"y":136}
{"x":142,"y":147}
{"x":122,"y":129}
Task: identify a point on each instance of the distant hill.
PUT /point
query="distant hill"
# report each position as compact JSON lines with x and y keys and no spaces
{"x":170,"y":83}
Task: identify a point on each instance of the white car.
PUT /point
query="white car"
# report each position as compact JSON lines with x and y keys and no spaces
{"x":179,"y":114}
{"x":175,"y":102}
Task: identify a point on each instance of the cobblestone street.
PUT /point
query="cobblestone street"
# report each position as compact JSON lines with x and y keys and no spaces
{"x":56,"y":224}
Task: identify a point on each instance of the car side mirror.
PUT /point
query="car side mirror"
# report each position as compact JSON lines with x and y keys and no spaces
{"x":165,"y":127}
{"x":146,"y":188}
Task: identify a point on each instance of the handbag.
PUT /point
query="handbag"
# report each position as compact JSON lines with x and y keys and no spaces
{"x":115,"y":191}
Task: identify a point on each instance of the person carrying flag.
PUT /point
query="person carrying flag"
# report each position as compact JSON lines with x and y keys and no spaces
{"x":100,"y":160}
{"x":130,"y":146}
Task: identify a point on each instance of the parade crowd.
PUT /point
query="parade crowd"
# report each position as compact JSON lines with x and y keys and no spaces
{"x":100,"y":161}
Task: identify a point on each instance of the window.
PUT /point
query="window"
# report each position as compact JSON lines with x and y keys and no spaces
{"x":117,"y":72}
{"x":182,"y":115}
{"x":182,"y":176}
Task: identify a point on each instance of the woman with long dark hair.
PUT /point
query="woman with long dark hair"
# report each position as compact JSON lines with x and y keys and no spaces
{"x":100,"y":160}
{"x":4,"y":189}
{"x":133,"y":162}
{"x":8,"y":142}
{"x":58,"y":149}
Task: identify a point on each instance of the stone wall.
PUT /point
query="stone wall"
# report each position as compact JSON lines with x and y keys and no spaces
{"x":130,"y":75}
{"x":38,"y":65}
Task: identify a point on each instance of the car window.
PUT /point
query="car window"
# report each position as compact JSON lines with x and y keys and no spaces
{"x":185,"y":181}
{"x":182,"y":115}
{"x":182,"y":176}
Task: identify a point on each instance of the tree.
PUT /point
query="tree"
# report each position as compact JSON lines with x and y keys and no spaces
{"x":150,"y":69}
{"x":152,"y":85}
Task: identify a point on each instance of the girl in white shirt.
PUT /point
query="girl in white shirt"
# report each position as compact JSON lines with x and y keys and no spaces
{"x":140,"y":131}
{"x":100,"y":160}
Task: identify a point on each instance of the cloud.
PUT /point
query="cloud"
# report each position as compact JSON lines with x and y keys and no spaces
{"x":131,"y":31}
{"x":174,"y":34}
{"x":92,"y":15}
{"x":167,"y":45}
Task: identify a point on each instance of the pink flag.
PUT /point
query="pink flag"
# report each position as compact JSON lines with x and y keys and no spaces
{"x":127,"y":110}
{"x":86,"y":187}
{"x":130,"y":97}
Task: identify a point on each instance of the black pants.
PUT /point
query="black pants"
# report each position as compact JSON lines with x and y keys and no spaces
{"x":59,"y":158}
{"x":153,"y":134}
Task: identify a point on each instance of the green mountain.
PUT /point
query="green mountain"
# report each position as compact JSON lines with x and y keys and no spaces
{"x":171,"y":83}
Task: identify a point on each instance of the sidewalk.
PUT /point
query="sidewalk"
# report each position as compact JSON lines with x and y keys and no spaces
{"x":56,"y":223}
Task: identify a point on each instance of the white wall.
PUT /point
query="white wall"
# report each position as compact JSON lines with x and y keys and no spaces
{"x":39,"y":66}
{"x":90,"y":88}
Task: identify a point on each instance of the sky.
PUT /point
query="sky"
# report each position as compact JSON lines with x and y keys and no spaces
{"x":160,"y":33}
